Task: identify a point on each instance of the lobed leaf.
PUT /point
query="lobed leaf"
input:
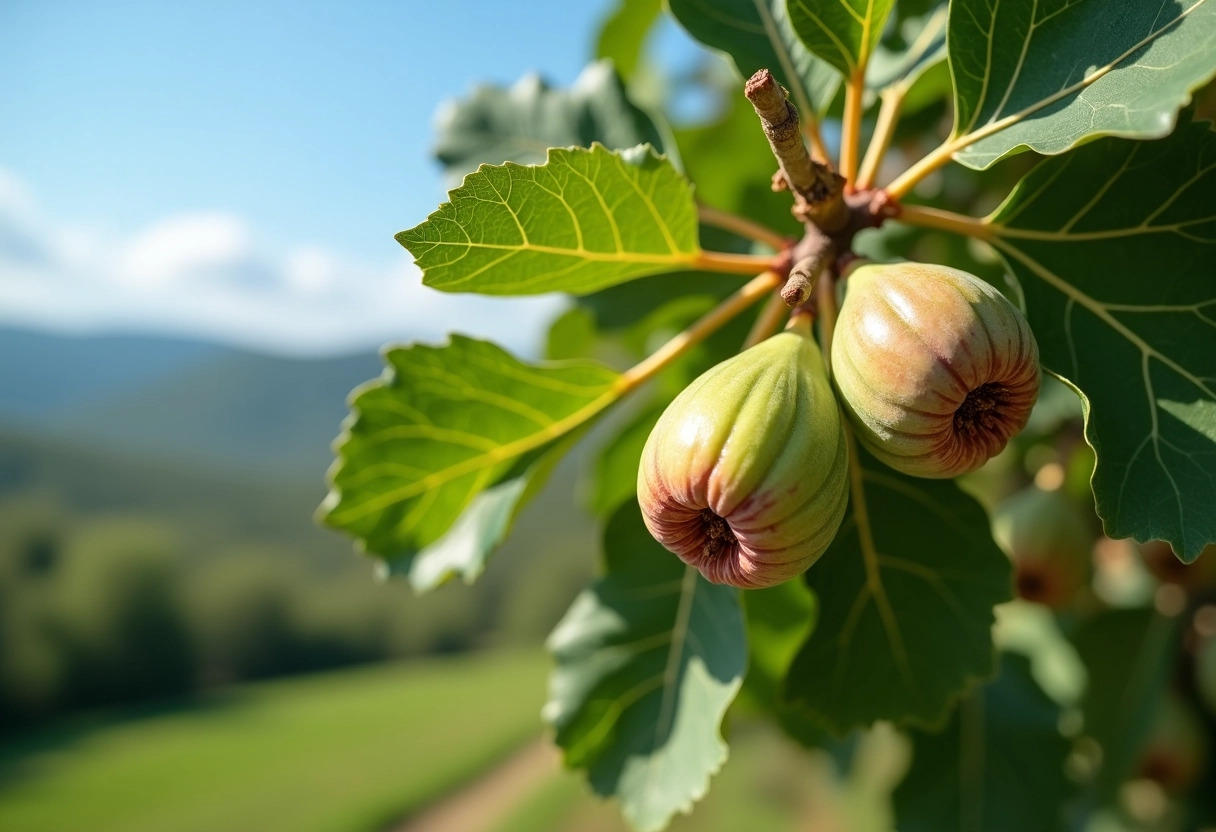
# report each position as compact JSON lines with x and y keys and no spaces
{"x":520,"y":124}
{"x":1115,"y":248}
{"x":906,"y":592}
{"x":1049,"y":74}
{"x":842,"y":32}
{"x":998,"y":765}
{"x":584,"y":220}
{"x":757,"y":34}
{"x":443,"y":450}
{"x":648,"y":660}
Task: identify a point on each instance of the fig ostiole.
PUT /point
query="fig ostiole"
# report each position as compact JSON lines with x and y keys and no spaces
{"x":936,"y":369}
{"x":745,"y":475}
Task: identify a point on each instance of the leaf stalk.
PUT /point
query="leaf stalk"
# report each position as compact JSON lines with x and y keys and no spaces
{"x":744,"y":227}
{"x":884,"y":130}
{"x":926,"y":217}
{"x":850,"y":129}
{"x":712,"y":321}
{"x":721,"y":261}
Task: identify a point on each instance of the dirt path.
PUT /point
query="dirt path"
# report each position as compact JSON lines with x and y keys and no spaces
{"x":483,"y":802}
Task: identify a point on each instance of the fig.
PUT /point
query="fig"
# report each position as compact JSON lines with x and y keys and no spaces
{"x":1197,"y":576}
{"x":1175,"y":752}
{"x":745,"y":475}
{"x":1050,"y":544}
{"x":935,"y":368}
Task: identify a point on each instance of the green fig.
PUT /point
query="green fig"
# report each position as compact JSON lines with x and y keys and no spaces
{"x":1049,"y":542}
{"x":936,"y":369}
{"x":745,"y":475}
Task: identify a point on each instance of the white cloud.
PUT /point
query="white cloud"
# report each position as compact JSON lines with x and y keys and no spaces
{"x":180,"y":249}
{"x":211,"y":276}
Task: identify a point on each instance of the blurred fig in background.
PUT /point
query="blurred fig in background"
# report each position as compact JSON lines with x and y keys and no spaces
{"x":1050,"y":543}
{"x":1167,"y":568}
{"x":1176,"y":751}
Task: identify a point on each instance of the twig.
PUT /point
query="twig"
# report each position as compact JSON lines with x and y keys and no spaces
{"x":819,"y":192}
{"x":801,"y":282}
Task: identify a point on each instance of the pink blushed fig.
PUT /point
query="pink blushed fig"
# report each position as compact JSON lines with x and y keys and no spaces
{"x":745,"y":475}
{"x":935,"y":368}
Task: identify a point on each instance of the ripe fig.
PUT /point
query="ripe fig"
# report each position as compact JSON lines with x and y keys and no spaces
{"x":745,"y":475}
{"x":1049,"y":542}
{"x":936,"y":369}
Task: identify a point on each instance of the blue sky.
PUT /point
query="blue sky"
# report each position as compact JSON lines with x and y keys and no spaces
{"x":193,"y":168}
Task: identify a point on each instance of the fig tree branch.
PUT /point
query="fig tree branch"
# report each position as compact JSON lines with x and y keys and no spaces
{"x":749,"y":229}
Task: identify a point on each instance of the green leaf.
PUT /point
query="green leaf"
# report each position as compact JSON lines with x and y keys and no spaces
{"x":1115,"y":248}
{"x":572,"y":334}
{"x":924,"y":39}
{"x":623,"y":34}
{"x":648,"y":660}
{"x":1127,"y":655}
{"x":757,"y":35}
{"x":779,"y":619}
{"x":842,"y":32}
{"x":998,"y":766}
{"x":906,"y":592}
{"x":1049,"y":75}
{"x":520,"y":124}
{"x":584,"y":220}
{"x":443,"y":450}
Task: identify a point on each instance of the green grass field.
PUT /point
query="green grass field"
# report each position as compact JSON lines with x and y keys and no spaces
{"x":762,"y":788}
{"x":338,"y":752}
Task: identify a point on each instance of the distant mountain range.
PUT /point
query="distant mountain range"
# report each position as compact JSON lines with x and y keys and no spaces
{"x":187,"y":401}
